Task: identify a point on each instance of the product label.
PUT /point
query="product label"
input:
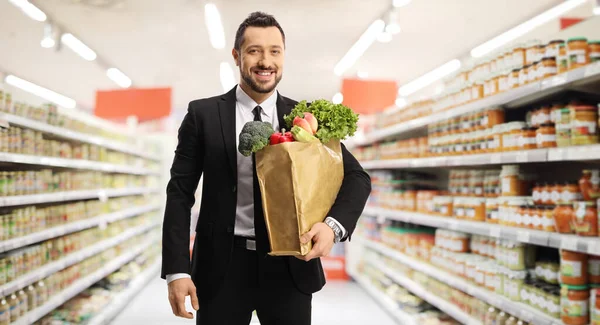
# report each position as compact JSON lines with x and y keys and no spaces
{"x":543,"y":138}
{"x":566,"y":196}
{"x":536,"y":221}
{"x":4,"y":317}
{"x":545,"y":196}
{"x":574,"y":308}
{"x":555,"y":196}
{"x":577,"y":56}
{"x":523,"y":141}
{"x":506,"y":185}
{"x":537,"y":195}
{"x":470,"y":212}
{"x":571,"y":268}
{"x":594,"y":267}
{"x":583,"y":127}
{"x":580,"y":212}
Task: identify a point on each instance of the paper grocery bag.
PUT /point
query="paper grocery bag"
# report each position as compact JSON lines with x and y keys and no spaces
{"x":299,"y":183}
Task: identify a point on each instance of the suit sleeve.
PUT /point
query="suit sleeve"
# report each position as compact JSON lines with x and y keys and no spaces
{"x":185,"y":174}
{"x":353,"y":194}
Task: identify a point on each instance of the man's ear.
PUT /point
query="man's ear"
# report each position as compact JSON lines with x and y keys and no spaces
{"x":236,"y":57}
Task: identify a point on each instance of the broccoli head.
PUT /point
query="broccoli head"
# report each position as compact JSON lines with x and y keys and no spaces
{"x":254,"y":136}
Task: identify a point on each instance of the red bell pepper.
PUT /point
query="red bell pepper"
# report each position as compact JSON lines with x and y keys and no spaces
{"x":281,"y":137}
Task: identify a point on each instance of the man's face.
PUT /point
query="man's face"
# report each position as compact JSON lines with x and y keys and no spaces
{"x":261,"y":58}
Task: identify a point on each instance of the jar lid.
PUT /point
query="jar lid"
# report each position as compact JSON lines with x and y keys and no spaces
{"x":557,"y":41}
{"x":584,"y":108}
{"x":529,"y":128}
{"x":595,"y":286}
{"x":562,"y":45}
{"x":546,"y":125}
{"x":548,"y":58}
{"x":571,"y":287}
{"x":576,"y":39}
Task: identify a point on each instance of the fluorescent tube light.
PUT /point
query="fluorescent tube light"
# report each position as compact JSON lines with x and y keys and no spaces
{"x":30,"y":10}
{"x":359,"y":48}
{"x":42,"y":92}
{"x":384,"y":37}
{"x":118,"y":77}
{"x":78,"y":47}
{"x":524,"y":28}
{"x":47,"y":43}
{"x":429,"y":78}
{"x":596,"y":9}
{"x":338,"y":98}
{"x":393,"y":28}
{"x":227,"y":76}
{"x":400,"y":3}
{"x":362,"y":74}
{"x":401,"y":102}
{"x":214,"y":26}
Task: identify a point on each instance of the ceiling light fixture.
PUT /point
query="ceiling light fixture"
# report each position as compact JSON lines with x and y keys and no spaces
{"x":429,"y":78}
{"x":48,"y":40}
{"x":359,"y":48}
{"x":524,"y":28}
{"x":393,"y":28}
{"x":362,"y":74}
{"x":384,"y":37}
{"x":401,"y":102}
{"x":338,"y":98}
{"x":400,"y":3}
{"x":118,"y":77}
{"x":214,"y":26}
{"x":78,"y":46}
{"x":40,"y":91}
{"x":227,"y":76}
{"x":30,"y":10}
{"x":596,"y":9}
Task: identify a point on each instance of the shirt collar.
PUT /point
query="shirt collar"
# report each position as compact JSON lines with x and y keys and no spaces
{"x":268,"y":106}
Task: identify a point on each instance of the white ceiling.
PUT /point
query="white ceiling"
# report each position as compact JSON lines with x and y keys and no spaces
{"x":165,"y":43}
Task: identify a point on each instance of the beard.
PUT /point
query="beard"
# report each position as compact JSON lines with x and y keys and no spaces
{"x":256,"y":86}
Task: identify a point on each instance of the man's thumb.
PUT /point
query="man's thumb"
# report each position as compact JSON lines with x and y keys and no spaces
{"x":194,"y":299}
{"x":308,"y":237}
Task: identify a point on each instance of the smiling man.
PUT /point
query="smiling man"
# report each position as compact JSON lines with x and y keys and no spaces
{"x":231,"y":274}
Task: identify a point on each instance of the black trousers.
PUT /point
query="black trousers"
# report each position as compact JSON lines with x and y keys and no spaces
{"x":262,"y":283}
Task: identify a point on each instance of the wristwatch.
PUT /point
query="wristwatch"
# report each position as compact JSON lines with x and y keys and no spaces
{"x":337,"y":231}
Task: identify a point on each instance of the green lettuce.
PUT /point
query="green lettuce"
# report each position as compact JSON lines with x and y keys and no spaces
{"x":336,"y":121}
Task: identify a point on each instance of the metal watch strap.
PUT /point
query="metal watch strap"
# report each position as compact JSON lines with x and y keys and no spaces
{"x":337,"y":231}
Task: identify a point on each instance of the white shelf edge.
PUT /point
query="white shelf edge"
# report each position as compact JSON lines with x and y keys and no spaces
{"x":80,"y":285}
{"x":15,"y":243}
{"x":72,"y":196}
{"x":385,"y":302}
{"x":517,"y":309}
{"x":589,"y":245}
{"x":73,"y":163}
{"x":123,"y":298}
{"x":418,"y":290}
{"x":73,"y":135}
{"x":549,"y":85}
{"x":72,"y":259}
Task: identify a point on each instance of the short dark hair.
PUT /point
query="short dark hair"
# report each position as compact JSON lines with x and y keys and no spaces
{"x":255,"y":19}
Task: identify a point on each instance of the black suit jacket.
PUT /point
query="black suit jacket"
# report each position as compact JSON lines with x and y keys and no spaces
{"x":207,"y":144}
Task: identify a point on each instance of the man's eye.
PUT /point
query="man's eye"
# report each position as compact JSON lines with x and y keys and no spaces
{"x":276,"y":51}
{"x":253,"y":51}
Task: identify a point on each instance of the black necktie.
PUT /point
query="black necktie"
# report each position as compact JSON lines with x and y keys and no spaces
{"x":260,"y":228}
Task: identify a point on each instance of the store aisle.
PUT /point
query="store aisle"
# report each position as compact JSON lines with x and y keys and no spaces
{"x":339,"y":303}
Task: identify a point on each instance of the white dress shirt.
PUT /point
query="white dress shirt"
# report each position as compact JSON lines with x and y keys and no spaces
{"x":244,"y":215}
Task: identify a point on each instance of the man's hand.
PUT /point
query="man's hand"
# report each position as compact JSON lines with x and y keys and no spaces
{"x":178,"y":290}
{"x":322,"y":237}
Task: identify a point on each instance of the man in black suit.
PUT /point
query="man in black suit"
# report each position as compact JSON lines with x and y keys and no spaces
{"x":231,"y":273}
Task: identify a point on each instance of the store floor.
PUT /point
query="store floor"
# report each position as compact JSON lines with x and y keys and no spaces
{"x":338,"y":303}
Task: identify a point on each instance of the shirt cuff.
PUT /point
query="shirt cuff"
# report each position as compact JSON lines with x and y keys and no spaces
{"x":177,"y":276}
{"x":344,"y":232}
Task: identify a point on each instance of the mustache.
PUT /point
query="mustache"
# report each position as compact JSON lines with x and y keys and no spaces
{"x":262,"y":67}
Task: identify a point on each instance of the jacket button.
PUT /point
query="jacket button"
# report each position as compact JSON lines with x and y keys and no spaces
{"x":234,"y":188}
{"x":230,"y":229}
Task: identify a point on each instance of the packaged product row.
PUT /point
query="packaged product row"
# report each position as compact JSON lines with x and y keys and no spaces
{"x":511,"y":196}
{"x":19,"y":262}
{"x":29,"y":142}
{"x":555,"y":125}
{"x":89,"y":303}
{"x":476,"y":308}
{"x":556,"y":282}
{"x":15,"y":223}
{"x":17,"y":304}
{"x":512,"y":68}
{"x":27,"y":182}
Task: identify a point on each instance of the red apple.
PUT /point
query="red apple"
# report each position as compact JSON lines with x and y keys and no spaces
{"x":300,"y":122}
{"x":314,"y":125}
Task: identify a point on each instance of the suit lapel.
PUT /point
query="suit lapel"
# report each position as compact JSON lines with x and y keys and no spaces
{"x":283,"y":108}
{"x":227,"y":116}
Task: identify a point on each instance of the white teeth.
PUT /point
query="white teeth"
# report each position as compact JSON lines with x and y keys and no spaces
{"x":264,"y":73}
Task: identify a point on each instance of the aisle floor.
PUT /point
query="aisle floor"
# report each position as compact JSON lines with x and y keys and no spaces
{"x":338,"y":303}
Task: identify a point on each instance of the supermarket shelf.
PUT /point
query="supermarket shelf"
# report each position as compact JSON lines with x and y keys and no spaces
{"x":11,"y":244}
{"x":72,"y":259}
{"x":73,"y":163}
{"x":82,"y":284}
{"x":75,"y":136}
{"x":517,"y":309}
{"x":590,"y":245}
{"x":119,"y":302}
{"x":428,"y":296}
{"x":518,"y":96}
{"x":579,"y":153}
{"x":72,"y":196}
{"x":386,"y":302}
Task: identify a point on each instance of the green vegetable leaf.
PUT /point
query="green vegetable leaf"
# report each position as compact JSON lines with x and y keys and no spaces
{"x":336,"y":121}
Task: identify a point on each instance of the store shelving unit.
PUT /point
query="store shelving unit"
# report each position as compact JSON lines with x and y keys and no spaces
{"x":67,"y":134}
{"x":73,"y":163}
{"x":73,"y":196}
{"x":386,"y":302}
{"x":517,"y":309}
{"x":514,"y":97}
{"x":119,"y":302}
{"x":590,"y":245}
{"x":72,"y":259}
{"x":82,"y":284}
{"x":104,"y":219}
